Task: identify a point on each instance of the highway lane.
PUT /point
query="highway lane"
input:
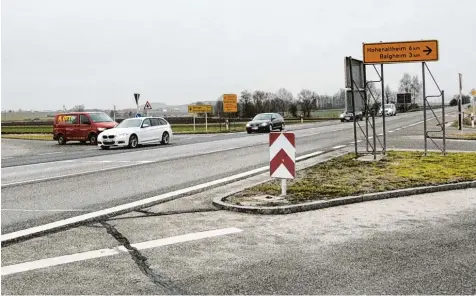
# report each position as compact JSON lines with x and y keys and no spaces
{"x":155,"y":171}
{"x":23,"y":152}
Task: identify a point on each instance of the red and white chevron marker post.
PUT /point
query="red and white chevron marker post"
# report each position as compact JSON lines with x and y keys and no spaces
{"x":282,"y":157}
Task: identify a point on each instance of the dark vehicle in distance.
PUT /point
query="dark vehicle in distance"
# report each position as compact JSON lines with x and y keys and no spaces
{"x":265,"y":122}
{"x":349,"y":116}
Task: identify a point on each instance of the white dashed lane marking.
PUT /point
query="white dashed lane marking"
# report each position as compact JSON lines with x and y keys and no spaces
{"x":49,"y":262}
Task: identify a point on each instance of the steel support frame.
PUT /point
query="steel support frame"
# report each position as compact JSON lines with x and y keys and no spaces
{"x":367,"y":111}
{"x":442,"y":123}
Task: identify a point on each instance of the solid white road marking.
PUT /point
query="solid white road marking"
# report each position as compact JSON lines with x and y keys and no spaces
{"x":52,"y":210}
{"x":390,"y":132}
{"x":49,"y":153}
{"x":140,"y":203}
{"x":353,"y":142}
{"x":338,"y":147}
{"x":49,"y":262}
{"x":7,"y":158}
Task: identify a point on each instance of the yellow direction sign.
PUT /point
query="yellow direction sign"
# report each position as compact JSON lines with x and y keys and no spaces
{"x":473,"y":92}
{"x":230,"y":103}
{"x":400,"y":52}
{"x":200,"y":109}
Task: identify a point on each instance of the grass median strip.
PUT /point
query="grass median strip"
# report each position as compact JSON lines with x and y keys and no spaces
{"x":345,"y":176}
{"x":39,"y":137}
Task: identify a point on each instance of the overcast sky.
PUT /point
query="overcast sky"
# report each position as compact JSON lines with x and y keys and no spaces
{"x":99,"y":52}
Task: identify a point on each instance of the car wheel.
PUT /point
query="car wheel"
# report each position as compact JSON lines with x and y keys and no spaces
{"x":93,"y":139}
{"x":342,"y":120}
{"x":270,"y":128}
{"x":283,"y":127}
{"x":249,"y":132}
{"x":165,"y":138}
{"x":105,"y":147}
{"x":133,"y":141}
{"x":61,"y":139}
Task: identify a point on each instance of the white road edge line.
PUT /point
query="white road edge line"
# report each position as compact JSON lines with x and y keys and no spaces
{"x":52,"y":210}
{"x":338,"y":147}
{"x":49,"y":262}
{"x":138,"y":204}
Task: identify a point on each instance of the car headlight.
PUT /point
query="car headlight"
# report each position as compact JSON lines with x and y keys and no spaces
{"x":341,"y":116}
{"x":101,"y":129}
{"x":264,"y":124}
{"x":247,"y":125}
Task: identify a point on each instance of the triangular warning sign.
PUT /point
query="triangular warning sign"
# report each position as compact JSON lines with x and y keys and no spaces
{"x":147,"y":105}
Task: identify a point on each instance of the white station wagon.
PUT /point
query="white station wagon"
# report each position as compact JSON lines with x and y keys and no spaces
{"x":133,"y":132}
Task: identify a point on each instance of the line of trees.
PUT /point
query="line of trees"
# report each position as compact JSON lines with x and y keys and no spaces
{"x":282,"y":101}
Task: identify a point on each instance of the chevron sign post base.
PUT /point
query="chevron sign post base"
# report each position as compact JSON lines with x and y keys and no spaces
{"x":282,"y":155}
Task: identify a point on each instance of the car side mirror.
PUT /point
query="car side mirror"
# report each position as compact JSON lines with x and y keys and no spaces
{"x":273,"y":118}
{"x":145,"y":125}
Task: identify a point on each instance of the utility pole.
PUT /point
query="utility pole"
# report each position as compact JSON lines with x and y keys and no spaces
{"x":114,"y":113}
{"x":460,"y":115}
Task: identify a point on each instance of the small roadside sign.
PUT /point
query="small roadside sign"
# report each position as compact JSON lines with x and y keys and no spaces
{"x":400,"y":52}
{"x":230,"y":103}
{"x":282,"y":157}
{"x":136,"y":97}
{"x":147,"y":105}
{"x":473,"y":92}
{"x":138,"y":115}
{"x":200,"y":109}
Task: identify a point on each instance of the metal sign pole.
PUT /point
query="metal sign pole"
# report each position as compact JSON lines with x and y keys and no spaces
{"x":284,"y":187}
{"x":353,"y":106}
{"x":460,"y":116}
{"x":443,"y":120}
{"x":367,"y":109}
{"x":206,"y":122}
{"x":383,"y":110}
{"x":193,"y":121}
{"x":114,"y":114}
{"x":424,"y":103}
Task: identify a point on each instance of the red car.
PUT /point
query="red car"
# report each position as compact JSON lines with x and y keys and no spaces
{"x":81,"y":126}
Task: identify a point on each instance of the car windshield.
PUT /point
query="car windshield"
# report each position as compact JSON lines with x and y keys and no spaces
{"x":135,"y":122}
{"x":100,"y":117}
{"x":262,"y":117}
{"x":388,"y":106}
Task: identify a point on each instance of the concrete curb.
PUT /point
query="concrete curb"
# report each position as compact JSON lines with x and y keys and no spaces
{"x":315,"y":205}
{"x":454,"y":139}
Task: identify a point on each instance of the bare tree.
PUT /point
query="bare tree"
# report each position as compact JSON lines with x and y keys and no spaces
{"x":259,"y":98}
{"x":307,"y":101}
{"x":218,"y":107}
{"x":405,"y":83}
{"x":416,"y":88}
{"x":389,"y":94}
{"x":78,"y":108}
{"x":246,"y":104}
{"x":285,"y":98}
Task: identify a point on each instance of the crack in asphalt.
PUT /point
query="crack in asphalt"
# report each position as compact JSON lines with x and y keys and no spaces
{"x":141,"y":261}
{"x":147,"y":213}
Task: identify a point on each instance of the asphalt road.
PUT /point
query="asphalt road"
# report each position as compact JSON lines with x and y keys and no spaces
{"x":130,"y":176}
{"x":23,"y":152}
{"x":412,"y":245}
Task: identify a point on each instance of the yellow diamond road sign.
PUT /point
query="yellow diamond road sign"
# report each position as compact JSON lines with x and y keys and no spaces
{"x":473,"y":92}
